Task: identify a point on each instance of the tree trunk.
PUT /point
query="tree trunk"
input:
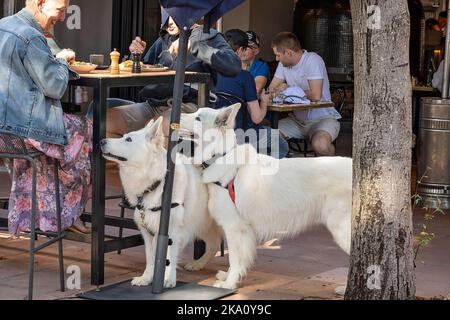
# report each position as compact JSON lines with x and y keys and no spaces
{"x":381,"y":260}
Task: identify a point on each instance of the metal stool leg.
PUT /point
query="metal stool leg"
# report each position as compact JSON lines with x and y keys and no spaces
{"x":59,"y":225}
{"x":33,"y":232}
{"x":305,"y":150}
{"x":122,"y":215}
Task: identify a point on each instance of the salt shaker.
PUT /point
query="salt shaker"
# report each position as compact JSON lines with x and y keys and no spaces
{"x":136,"y":63}
{"x":115,"y":56}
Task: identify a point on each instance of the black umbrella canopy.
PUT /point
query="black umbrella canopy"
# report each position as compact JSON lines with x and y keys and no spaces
{"x":186,"y":13}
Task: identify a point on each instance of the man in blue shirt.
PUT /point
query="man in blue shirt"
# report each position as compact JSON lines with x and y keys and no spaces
{"x":257,"y":68}
{"x":242,"y":88}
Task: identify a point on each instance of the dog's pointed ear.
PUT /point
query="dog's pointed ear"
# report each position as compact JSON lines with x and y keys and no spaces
{"x":159,"y":127}
{"x":227,"y":116}
{"x":152,"y":128}
{"x":149,"y":125}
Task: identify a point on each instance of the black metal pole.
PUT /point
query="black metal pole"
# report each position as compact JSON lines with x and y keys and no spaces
{"x":163,"y":237}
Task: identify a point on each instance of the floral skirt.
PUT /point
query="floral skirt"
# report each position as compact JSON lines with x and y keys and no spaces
{"x":74,"y":178}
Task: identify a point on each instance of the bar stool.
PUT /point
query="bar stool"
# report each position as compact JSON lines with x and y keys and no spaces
{"x":301,"y":146}
{"x":14,"y":147}
{"x":296,"y":145}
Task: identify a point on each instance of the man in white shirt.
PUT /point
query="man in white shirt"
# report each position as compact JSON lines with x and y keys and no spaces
{"x":438,"y":77}
{"x":299,"y":68}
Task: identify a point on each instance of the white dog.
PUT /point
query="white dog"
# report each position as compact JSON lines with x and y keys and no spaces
{"x":142,"y":160}
{"x":302,"y":192}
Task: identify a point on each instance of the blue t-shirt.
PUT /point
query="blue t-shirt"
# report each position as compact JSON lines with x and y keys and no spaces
{"x":242,"y":86}
{"x":260,"y":68}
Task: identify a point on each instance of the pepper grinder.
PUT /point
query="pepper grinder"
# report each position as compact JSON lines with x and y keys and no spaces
{"x":136,"y":63}
{"x":114,"y":68}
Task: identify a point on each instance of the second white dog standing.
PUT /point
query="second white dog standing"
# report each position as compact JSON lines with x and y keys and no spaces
{"x":299,"y":194}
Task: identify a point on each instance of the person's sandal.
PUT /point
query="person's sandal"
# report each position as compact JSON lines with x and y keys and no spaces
{"x":76,"y":229}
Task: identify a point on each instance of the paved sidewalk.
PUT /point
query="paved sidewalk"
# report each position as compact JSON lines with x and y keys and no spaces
{"x":309,"y":266}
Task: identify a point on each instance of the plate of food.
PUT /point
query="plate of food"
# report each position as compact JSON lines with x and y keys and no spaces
{"x":127,"y":66}
{"x":82,"y":67}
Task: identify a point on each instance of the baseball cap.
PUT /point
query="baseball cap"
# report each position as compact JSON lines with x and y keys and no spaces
{"x":253,"y":38}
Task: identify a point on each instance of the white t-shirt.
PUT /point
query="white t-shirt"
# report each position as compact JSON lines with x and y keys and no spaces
{"x":310,"y":67}
{"x":438,"y":77}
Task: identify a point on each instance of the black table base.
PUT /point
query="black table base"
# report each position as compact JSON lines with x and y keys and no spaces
{"x":183,"y":291}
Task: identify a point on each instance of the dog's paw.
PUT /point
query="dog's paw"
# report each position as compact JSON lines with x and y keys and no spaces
{"x":194,"y":266}
{"x":225,"y":285}
{"x":170,"y":283}
{"x":141,"y":281}
{"x":222,"y":275}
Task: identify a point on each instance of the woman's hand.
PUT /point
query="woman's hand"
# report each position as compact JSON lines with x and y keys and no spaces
{"x":66,"y":54}
{"x":138,"y":46}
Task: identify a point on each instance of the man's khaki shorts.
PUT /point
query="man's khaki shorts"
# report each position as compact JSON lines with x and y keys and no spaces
{"x":291,"y":127}
{"x":136,"y":116}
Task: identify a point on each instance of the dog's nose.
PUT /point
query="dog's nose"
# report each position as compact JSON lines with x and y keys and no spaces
{"x":103,"y":143}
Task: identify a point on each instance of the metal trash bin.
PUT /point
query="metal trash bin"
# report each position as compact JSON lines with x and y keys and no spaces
{"x":433,"y":158}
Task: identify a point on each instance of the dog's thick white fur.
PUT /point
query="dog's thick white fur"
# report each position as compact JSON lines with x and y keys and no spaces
{"x":142,"y":160}
{"x":304,"y":192}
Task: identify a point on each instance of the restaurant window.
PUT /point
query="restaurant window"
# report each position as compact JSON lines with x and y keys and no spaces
{"x":9,"y":7}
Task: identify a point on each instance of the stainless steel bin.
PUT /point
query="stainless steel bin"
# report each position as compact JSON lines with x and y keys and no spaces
{"x":433,"y":157}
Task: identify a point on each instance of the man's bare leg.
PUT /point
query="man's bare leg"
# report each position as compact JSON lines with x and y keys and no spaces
{"x":322,"y":144}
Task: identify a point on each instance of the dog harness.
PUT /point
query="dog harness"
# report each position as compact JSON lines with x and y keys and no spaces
{"x":207,"y":164}
{"x":153,"y":187}
{"x":142,"y":213}
{"x":230,"y":186}
{"x":142,"y":209}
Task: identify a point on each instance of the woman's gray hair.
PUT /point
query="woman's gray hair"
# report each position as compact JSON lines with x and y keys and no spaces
{"x":33,"y":1}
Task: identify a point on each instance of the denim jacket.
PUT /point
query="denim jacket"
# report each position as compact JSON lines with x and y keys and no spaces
{"x":32,"y":82}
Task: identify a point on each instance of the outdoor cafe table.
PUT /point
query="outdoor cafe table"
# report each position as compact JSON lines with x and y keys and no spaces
{"x":277,"y":109}
{"x":101,"y":82}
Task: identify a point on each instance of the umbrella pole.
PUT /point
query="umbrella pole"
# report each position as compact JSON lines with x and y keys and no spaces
{"x":163,"y":236}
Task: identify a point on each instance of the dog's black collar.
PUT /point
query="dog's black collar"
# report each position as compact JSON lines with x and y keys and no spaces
{"x":208,"y":163}
{"x":152,"y":188}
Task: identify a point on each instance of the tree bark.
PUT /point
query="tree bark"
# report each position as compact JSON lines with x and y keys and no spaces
{"x":381,"y":259}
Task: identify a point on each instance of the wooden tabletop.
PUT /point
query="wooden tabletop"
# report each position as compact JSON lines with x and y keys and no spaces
{"x":102,"y":74}
{"x":299,"y":107}
{"x":424,"y":88}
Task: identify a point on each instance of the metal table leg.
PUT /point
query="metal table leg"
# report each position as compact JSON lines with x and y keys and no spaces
{"x":98,"y":188}
{"x":275,"y":119}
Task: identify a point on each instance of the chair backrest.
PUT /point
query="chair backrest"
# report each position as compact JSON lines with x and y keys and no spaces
{"x":12,"y":144}
{"x":232,"y":99}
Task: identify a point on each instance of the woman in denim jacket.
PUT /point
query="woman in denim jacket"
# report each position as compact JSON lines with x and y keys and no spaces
{"x":32,"y":83}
